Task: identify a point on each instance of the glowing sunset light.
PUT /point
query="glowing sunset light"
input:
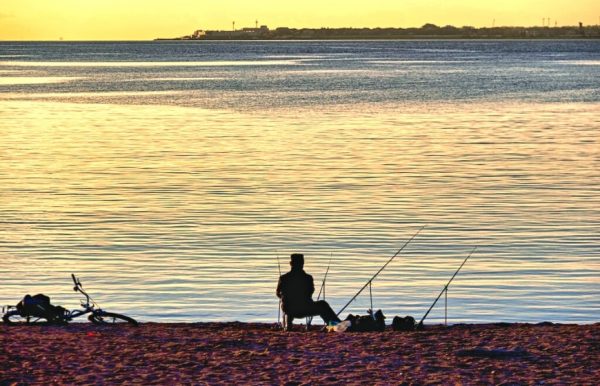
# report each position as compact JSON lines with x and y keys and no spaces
{"x":141,"y":20}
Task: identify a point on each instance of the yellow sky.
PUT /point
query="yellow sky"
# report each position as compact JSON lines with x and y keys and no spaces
{"x":147,"y":19}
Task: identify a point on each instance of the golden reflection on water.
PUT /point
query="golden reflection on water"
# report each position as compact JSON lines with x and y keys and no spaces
{"x":172,"y":212}
{"x":11,"y":80}
{"x":201,"y":63}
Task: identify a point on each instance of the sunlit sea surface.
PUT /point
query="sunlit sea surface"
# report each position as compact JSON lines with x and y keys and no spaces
{"x":170,"y":175}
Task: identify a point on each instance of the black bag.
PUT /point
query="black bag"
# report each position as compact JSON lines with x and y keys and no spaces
{"x":403,"y":324}
{"x":367,"y":323}
{"x":39,"y":306}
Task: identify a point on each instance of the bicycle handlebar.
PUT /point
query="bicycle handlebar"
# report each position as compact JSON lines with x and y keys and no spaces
{"x":79,"y":288}
{"x":77,"y":282}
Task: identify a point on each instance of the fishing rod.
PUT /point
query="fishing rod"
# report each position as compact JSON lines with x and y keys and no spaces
{"x":279,"y":308}
{"x":445,"y":289}
{"x":325,"y":279}
{"x":278,"y":264}
{"x":381,"y":269}
{"x":310,"y":318}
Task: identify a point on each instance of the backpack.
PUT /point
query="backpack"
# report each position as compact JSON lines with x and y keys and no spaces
{"x":403,"y":324}
{"x":39,"y":306}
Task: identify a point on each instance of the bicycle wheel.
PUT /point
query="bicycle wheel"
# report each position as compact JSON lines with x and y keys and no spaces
{"x":111,"y":318}
{"x":15,"y":318}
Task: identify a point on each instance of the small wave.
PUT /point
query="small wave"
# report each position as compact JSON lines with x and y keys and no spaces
{"x":580,"y":62}
{"x":208,"y":63}
{"x":174,"y":79}
{"x":12,"y":80}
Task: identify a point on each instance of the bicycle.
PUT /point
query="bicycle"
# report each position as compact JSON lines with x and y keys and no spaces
{"x":14,"y":316}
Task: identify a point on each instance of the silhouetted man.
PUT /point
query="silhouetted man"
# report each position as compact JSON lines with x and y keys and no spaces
{"x":295,"y":290}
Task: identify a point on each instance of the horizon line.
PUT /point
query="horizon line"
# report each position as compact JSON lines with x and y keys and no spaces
{"x":62,"y":39}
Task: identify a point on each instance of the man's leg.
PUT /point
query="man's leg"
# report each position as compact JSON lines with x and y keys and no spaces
{"x":323,"y":309}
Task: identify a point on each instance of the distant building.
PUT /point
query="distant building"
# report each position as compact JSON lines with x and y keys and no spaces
{"x":262,"y":29}
{"x":199,"y":34}
{"x":244,"y":33}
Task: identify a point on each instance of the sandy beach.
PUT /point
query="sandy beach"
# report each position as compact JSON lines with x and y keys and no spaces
{"x":246,"y":353}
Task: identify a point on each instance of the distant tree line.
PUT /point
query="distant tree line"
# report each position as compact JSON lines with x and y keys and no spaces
{"x":427,"y":31}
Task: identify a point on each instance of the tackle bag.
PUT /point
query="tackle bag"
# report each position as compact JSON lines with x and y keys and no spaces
{"x":367,"y":323}
{"x":407,"y":323}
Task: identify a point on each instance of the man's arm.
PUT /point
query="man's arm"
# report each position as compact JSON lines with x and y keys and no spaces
{"x":311,"y":286}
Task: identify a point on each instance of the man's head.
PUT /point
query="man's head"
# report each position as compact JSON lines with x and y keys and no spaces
{"x":297,"y":260}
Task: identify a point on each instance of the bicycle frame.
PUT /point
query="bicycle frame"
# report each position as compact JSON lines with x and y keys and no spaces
{"x":77,"y":313}
{"x":89,"y":306}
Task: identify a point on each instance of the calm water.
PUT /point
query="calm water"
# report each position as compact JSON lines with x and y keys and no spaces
{"x":170,"y":176}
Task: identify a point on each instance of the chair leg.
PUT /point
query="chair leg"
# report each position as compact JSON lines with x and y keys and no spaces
{"x":288,"y":322}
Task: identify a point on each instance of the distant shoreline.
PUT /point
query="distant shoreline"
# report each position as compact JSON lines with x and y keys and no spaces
{"x":177,"y":40}
{"x":366,"y":39}
{"x":426,"y":32}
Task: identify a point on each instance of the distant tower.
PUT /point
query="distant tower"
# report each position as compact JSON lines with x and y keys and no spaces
{"x":543,"y":21}
{"x":548,"y":22}
{"x":493,"y":23}
{"x":233,"y":25}
{"x":256,"y":24}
